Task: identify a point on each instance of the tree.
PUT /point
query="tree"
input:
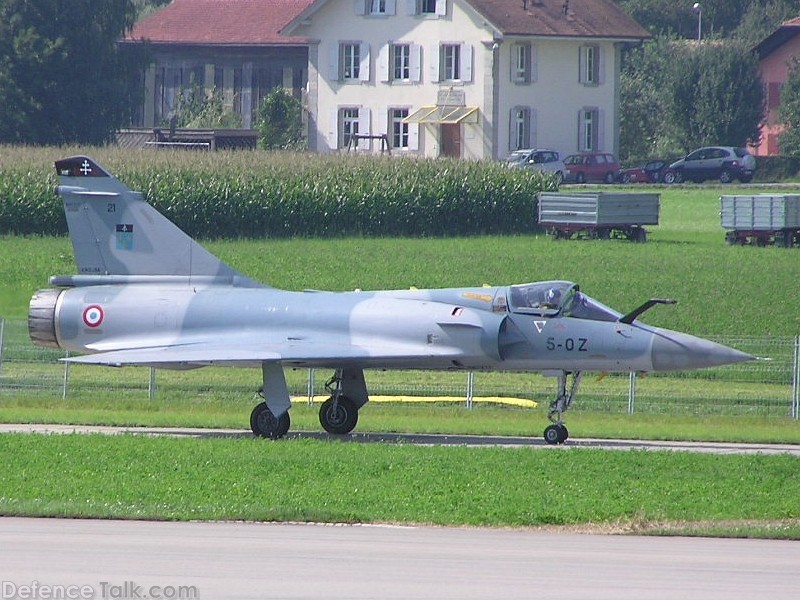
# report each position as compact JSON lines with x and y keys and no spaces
{"x":789,"y":138}
{"x":280,"y":121}
{"x":643,"y":128}
{"x":715,"y":94}
{"x":62,"y":77}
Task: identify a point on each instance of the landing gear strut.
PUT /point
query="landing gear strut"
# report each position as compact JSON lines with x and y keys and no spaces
{"x":338,"y":414}
{"x":557,"y":432}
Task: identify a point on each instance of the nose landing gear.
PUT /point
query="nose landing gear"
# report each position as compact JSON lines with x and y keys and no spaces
{"x":557,"y":433}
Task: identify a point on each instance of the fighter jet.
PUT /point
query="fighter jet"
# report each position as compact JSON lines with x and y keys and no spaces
{"x":148,"y":294}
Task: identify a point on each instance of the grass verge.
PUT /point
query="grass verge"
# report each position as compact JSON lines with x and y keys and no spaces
{"x":307,"y":480}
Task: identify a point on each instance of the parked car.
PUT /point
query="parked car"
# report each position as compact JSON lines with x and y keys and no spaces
{"x":540,"y":159}
{"x":651,"y":172}
{"x":725,"y":163}
{"x":592,"y":166}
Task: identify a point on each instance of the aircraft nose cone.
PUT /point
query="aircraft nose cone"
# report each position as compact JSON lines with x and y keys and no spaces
{"x":674,"y":351}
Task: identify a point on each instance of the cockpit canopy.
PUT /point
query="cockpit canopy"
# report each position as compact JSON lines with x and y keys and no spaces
{"x":557,"y":299}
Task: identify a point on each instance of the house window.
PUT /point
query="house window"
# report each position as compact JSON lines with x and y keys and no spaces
{"x":521,"y":55}
{"x":427,"y":7}
{"x":589,"y":65}
{"x":401,"y":62}
{"x":377,"y":7}
{"x":398,"y":128}
{"x":348,"y":126}
{"x":588,"y":130}
{"x":350,"y":66}
{"x":451,"y":62}
{"x":520,"y":127}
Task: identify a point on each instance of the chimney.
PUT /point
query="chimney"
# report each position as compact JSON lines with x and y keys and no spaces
{"x":566,"y":7}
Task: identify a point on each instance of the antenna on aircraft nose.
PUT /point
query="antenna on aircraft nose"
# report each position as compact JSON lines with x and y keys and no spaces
{"x":634,"y":314}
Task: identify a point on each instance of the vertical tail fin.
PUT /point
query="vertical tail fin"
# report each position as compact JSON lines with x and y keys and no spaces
{"x":115,"y":232}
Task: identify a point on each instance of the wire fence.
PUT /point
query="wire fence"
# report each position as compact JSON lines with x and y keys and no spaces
{"x":764,"y":387}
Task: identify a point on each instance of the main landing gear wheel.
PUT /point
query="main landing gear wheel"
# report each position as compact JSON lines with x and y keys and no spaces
{"x":556,"y":434}
{"x":338,"y":415}
{"x":264,"y":424}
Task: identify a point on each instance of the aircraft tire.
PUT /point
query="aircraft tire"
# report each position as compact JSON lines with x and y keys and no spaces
{"x":264,"y":424}
{"x":556,"y":434}
{"x":340,"y":420}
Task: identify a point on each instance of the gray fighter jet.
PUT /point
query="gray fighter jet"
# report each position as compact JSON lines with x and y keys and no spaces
{"x":147,"y":294}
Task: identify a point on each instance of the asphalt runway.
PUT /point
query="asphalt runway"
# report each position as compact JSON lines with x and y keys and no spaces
{"x":420,"y":439}
{"x":131,"y":559}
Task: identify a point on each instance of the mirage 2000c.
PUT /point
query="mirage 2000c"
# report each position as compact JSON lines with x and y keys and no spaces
{"x":147,"y":294}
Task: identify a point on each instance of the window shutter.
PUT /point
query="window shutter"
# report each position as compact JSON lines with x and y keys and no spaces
{"x":415,"y":62}
{"x":391,"y":7}
{"x":533,"y":128}
{"x":412,"y":7}
{"x":332,"y":135}
{"x":360,"y":7}
{"x":534,"y":73}
{"x":413,"y":136}
{"x":363,"y":127}
{"x":333,"y":62}
{"x":599,"y":130}
{"x":466,"y":62}
{"x":383,"y":67}
{"x":581,"y":78}
{"x":382,"y":123}
{"x":441,"y":8}
{"x":363,"y":68}
{"x":601,"y":65}
{"x":435,"y":59}
{"x":512,"y":121}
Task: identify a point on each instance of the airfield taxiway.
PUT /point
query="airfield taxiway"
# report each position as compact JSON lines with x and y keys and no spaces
{"x":132,"y":559}
{"x":421,"y":439}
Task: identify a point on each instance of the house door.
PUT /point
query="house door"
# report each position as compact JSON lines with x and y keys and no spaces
{"x":451,"y":140}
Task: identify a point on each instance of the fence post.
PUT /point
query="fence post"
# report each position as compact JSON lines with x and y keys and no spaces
{"x":631,"y":392}
{"x":65,"y":384}
{"x":310,"y":387}
{"x":470,"y":388}
{"x":796,"y":379}
{"x":152,"y":386}
{"x":2,"y":340}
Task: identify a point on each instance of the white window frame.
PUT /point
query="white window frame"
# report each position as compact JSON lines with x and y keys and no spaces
{"x":375,"y":8}
{"x":400,"y":55}
{"x":348,"y":125}
{"x":399,"y":132}
{"x":589,"y":129}
{"x":521,"y":128}
{"x":350,"y":62}
{"x":454,"y":68}
{"x":589,"y":65}
{"x":523,"y":57}
{"x":426,"y":8}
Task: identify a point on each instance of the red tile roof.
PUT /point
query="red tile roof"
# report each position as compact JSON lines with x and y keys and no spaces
{"x":220,"y":22}
{"x":257,"y":22}
{"x":560,"y":18}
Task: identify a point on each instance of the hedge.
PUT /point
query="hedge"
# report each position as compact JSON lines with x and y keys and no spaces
{"x":263,"y":194}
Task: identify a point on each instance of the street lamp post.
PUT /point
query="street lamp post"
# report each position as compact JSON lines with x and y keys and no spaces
{"x":699,"y":10}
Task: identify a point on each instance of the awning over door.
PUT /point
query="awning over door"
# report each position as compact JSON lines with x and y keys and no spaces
{"x":435,"y":113}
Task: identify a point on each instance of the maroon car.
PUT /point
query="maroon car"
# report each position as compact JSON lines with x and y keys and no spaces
{"x":591,"y":166}
{"x":651,"y":172}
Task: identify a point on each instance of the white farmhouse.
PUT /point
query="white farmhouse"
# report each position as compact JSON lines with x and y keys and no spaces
{"x":464,"y":78}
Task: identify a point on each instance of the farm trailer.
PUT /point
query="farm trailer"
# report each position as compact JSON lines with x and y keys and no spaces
{"x":598,"y":215}
{"x":762,"y":219}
